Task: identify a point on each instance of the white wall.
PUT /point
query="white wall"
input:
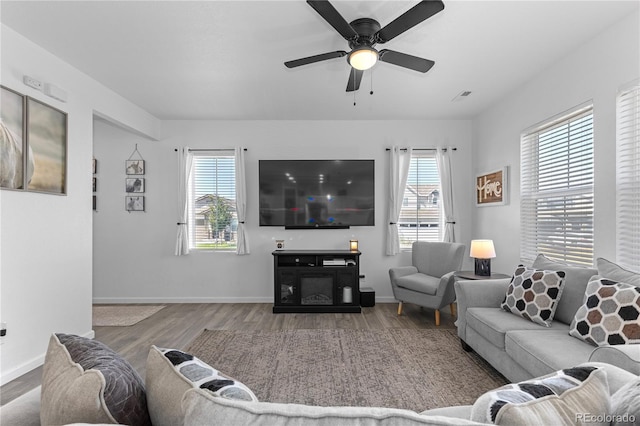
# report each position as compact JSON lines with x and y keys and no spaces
{"x":46,"y":240}
{"x":133,"y":252}
{"x":593,"y":72}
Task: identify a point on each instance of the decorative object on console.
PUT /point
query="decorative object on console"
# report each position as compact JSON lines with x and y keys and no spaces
{"x":279,"y":244}
{"x":482,"y":251}
{"x":353,"y":245}
{"x":533,"y":294}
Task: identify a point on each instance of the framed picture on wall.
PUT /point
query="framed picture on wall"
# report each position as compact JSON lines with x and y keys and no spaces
{"x":134,"y":184}
{"x":134,"y":167}
{"x":492,"y":188}
{"x":94,"y":166}
{"x":12,"y":139}
{"x":95,"y":184}
{"x":134,"y":203}
{"x":46,"y":147}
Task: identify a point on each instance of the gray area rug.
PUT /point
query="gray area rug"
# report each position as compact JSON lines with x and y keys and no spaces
{"x":122,"y":315}
{"x":399,"y":368}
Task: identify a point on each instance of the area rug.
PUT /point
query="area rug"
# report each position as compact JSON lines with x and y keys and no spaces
{"x":400,"y":368}
{"x":122,"y":315}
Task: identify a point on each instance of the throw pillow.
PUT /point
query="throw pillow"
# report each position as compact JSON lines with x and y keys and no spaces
{"x":84,"y":381}
{"x":170,"y":373}
{"x":609,"y":314}
{"x":625,"y":404}
{"x":615,"y":272}
{"x":533,"y":294}
{"x":575,"y":283}
{"x":570,"y":396}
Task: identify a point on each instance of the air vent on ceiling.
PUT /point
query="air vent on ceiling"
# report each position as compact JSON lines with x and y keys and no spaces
{"x":461,"y":96}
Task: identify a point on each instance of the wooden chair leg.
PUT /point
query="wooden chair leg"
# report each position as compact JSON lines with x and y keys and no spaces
{"x":437,"y":317}
{"x":453,"y":309}
{"x":399,"y":308}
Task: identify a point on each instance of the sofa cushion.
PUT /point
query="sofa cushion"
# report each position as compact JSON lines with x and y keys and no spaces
{"x":419,"y":282}
{"x":610,"y":270}
{"x":625,"y":404}
{"x":84,"y":381}
{"x":542,"y":352}
{"x":610,"y":314}
{"x":533,"y":294}
{"x":575,"y":283}
{"x":569,"y":396}
{"x":493,"y":324}
{"x":201,"y":408}
{"x":170,"y":373}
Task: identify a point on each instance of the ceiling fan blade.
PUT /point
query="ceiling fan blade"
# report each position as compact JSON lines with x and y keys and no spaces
{"x":316,"y":58}
{"x":333,"y":17}
{"x":355,"y":77}
{"x":403,"y":60}
{"x":412,"y":17}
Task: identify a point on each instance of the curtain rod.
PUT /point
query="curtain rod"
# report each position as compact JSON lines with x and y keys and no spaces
{"x":211,"y":149}
{"x":424,"y":149}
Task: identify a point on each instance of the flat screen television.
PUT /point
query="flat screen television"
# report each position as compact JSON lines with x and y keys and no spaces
{"x":316,"y":193}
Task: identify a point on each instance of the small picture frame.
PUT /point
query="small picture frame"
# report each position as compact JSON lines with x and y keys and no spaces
{"x":94,"y":166}
{"x":492,"y":188}
{"x":134,"y":185}
{"x":134,"y":167}
{"x":95,"y":184}
{"x":95,"y":203}
{"x":134,"y":203}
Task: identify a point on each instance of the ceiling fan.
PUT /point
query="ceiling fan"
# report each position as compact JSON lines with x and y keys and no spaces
{"x":364,"y":33}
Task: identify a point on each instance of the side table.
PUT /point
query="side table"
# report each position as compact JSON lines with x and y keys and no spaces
{"x":471,"y":275}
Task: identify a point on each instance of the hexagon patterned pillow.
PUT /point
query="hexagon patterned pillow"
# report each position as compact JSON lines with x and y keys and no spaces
{"x":533,"y":294}
{"x":610,"y":313}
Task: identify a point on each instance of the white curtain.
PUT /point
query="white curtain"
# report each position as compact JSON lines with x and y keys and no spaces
{"x":182,"y":239}
{"x":443,"y":158}
{"x":241,"y":202}
{"x":400,"y":158}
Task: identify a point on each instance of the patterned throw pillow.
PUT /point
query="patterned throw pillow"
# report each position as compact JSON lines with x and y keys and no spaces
{"x":610,"y":314}
{"x":533,"y":294}
{"x":569,"y":396}
{"x":84,"y":381}
{"x":170,"y":373}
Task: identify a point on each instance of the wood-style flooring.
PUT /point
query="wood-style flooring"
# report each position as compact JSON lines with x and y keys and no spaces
{"x":177,"y":325}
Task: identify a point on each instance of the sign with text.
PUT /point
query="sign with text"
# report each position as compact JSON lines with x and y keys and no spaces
{"x":491,"y":188}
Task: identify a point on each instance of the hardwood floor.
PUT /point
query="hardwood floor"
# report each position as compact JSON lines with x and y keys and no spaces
{"x":177,"y":325}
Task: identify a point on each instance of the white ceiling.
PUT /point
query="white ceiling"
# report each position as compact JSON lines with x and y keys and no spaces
{"x":224,"y":59}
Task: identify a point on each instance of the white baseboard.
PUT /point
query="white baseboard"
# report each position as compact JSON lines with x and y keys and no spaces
{"x":32,"y":364}
{"x":123,"y":300}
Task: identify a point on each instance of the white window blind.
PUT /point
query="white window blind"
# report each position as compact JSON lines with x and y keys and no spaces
{"x":213,"y":221}
{"x":628,"y":177}
{"x":420,"y":217}
{"x":556,"y":208}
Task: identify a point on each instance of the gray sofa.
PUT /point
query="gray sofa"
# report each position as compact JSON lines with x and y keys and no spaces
{"x":521,"y":349}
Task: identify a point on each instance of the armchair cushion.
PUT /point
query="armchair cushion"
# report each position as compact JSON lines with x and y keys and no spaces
{"x":419,"y":282}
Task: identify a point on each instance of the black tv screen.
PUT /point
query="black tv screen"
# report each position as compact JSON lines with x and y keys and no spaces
{"x":316,"y":193}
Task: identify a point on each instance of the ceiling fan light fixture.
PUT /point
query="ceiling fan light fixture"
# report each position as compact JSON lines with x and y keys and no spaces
{"x":362,"y":58}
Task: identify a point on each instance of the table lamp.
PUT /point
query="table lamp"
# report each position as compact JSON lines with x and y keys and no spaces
{"x":482,"y":251}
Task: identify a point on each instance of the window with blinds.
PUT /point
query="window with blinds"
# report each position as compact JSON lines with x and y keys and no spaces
{"x":628,"y":177}
{"x":420,"y":217}
{"x":556,"y":207}
{"x":213,"y":222}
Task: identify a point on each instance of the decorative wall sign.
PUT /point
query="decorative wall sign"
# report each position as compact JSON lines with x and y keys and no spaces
{"x":33,"y":144}
{"x":492,"y":188}
{"x":134,"y":203}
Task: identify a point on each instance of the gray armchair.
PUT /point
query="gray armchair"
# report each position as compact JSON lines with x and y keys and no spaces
{"x":429,"y":281}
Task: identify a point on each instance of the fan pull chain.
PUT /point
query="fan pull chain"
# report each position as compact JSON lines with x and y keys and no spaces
{"x":354,"y":89}
{"x":371,"y":73}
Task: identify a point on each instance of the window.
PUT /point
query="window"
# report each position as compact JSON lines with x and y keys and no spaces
{"x":420,"y":217}
{"x":556,"y":208}
{"x":213,"y":221}
{"x":628,"y":177}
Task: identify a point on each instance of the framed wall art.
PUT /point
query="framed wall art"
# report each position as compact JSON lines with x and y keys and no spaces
{"x":134,"y":184}
{"x":134,"y":167}
{"x":33,"y":144}
{"x":134,"y":203}
{"x":492,"y":188}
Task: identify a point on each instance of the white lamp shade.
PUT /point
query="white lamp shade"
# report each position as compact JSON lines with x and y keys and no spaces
{"x":363,"y":58}
{"x":482,"y":249}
